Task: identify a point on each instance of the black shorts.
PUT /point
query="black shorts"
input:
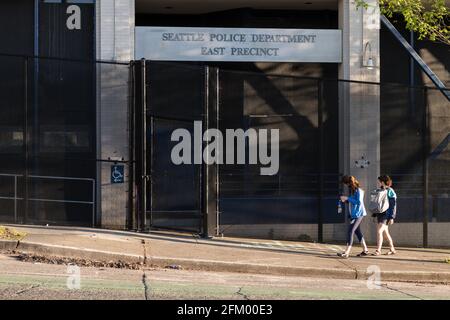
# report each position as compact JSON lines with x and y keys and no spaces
{"x":382,"y":218}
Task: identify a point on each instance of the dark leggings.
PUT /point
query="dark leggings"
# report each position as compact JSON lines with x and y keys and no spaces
{"x":354,"y":228}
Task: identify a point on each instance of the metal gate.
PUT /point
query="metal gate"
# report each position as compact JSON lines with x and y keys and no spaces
{"x":173,"y":192}
{"x":198,"y":197}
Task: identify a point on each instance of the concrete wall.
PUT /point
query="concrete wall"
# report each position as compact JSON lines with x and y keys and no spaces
{"x":115,"y":30}
{"x":404,"y":234}
{"x":359,"y":104}
{"x":115,"y":42}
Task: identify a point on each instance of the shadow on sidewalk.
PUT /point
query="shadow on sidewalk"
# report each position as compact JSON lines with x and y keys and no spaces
{"x":314,"y":249}
{"x":373,"y":258}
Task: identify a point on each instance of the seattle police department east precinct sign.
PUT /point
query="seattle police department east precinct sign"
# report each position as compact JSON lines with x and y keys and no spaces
{"x":238,"y":44}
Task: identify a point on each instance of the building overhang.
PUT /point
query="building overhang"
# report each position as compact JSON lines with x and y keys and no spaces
{"x":202,"y":6}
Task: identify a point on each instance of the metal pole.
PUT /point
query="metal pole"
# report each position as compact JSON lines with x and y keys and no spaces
{"x":321,"y":162}
{"x":217,"y":173}
{"x":204,"y":174}
{"x":143,"y":147}
{"x":93,"y":203}
{"x":15,"y":199}
{"x":26,"y":140}
{"x":425,"y":168}
{"x":412,"y":81}
{"x":131,"y":105}
{"x":149,"y":166}
{"x":210,"y":171}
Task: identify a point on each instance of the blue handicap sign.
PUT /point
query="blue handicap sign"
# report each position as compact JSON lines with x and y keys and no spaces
{"x":117,"y":174}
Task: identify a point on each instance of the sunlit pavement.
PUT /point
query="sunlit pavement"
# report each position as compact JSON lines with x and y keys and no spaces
{"x":281,"y":258}
{"x":24,"y":280}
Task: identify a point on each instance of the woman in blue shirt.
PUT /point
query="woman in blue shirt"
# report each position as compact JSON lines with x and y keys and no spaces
{"x":357,"y":212}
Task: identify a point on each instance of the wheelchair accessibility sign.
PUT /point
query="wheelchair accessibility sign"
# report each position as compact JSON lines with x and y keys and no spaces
{"x":117,"y":174}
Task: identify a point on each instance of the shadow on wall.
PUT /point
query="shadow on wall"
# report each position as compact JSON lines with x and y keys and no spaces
{"x":407,"y":138}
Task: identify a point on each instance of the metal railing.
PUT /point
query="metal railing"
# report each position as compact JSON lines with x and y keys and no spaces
{"x":16,"y":198}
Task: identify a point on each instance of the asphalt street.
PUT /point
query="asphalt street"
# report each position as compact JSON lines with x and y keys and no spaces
{"x":26,"y":280}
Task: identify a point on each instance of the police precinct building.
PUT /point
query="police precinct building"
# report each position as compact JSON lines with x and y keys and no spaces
{"x":232,"y":118}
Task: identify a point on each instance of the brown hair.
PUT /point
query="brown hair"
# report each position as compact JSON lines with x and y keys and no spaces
{"x":386,"y":180}
{"x":351,"y":182}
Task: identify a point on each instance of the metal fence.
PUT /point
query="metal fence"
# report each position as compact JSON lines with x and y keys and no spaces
{"x":58,"y":117}
{"x":78,"y":120}
{"x":15,"y":197}
{"x":412,"y":128}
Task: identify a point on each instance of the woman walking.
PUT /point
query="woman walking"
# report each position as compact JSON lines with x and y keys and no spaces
{"x":385,"y":219}
{"x":357,"y":214}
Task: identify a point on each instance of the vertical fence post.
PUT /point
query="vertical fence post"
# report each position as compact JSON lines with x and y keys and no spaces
{"x":143,"y":149}
{"x":25,"y":140}
{"x":412,"y":69}
{"x":209,"y":180}
{"x":321,"y":161}
{"x":425,"y":151}
{"x":217,"y":173}
{"x":93,"y":203}
{"x":15,"y":198}
{"x":131,"y":128}
{"x":204,"y":174}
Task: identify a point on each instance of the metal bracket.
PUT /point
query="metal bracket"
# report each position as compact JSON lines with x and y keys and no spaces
{"x":362,"y":163}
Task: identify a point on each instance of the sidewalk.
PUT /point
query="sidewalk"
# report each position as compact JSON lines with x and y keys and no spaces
{"x":163,"y":249}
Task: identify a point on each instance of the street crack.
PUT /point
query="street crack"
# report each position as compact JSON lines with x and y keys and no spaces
{"x":28,"y":289}
{"x":350,"y":267}
{"x":144,"y":275}
{"x":239,"y":293}
{"x":385,"y":285}
{"x":146,"y":286}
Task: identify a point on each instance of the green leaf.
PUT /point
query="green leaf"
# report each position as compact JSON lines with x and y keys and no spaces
{"x":430,"y":19}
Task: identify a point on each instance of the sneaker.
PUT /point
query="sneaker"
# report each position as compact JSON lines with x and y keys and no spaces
{"x":363,"y":254}
{"x":343,"y":255}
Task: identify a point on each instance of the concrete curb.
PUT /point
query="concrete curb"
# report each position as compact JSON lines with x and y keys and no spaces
{"x":217,"y":266}
{"x":8,"y":245}
{"x":224,"y":266}
{"x":409,"y":276}
{"x":75,"y":253}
